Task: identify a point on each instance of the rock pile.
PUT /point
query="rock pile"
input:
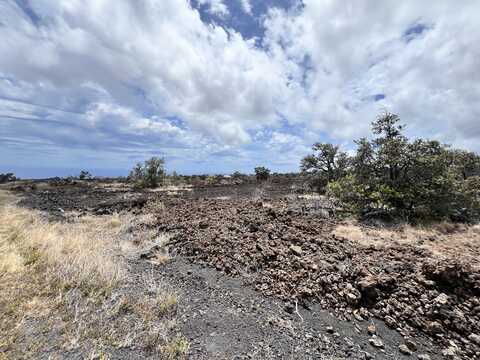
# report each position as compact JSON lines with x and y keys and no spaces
{"x":294,"y":256}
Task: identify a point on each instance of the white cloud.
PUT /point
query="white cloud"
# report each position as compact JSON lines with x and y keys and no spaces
{"x":246,"y":6}
{"x":127,"y":68}
{"x":356,"y":50}
{"x":216,"y":7}
{"x":215,"y":81}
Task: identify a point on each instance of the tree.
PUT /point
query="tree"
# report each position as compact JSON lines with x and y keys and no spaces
{"x":393,"y":176}
{"x":4,"y":178}
{"x":84,"y":175}
{"x":327,"y":164}
{"x":149,"y":174}
{"x":238,"y":175}
{"x":262,"y":173}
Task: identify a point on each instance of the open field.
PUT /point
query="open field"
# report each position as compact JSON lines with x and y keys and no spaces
{"x":67,"y":291}
{"x":230,"y":271}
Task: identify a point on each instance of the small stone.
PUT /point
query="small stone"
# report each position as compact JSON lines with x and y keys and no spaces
{"x":449,"y":353}
{"x":351,"y":298}
{"x":376,"y":342}
{"x":297,"y":250}
{"x":358,"y":316}
{"x":203,"y":224}
{"x":441,"y":299}
{"x":411,"y":345}
{"x":390,"y":321}
{"x":330,"y":329}
{"x":372,"y":329}
{"x":423,"y":357}
{"x":367,"y":355}
{"x":474,"y":338}
{"x":435,"y":327}
{"x":404,"y":349}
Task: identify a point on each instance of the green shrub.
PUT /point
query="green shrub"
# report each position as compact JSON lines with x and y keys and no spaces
{"x":390,"y":175}
{"x":8,"y":177}
{"x":150,"y":174}
{"x":262,"y":173}
{"x":85,"y":175}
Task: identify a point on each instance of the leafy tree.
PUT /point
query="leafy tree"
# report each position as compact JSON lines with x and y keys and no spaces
{"x":392,"y":176}
{"x":84,"y":175}
{"x":149,"y":174}
{"x":262,"y":173}
{"x":327,"y":164}
{"x":4,"y":178}
{"x":238,"y":175}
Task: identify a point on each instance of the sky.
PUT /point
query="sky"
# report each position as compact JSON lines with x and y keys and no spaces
{"x":216,"y":86}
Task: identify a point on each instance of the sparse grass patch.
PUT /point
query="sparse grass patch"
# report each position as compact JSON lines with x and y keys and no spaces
{"x":176,"y":348}
{"x":160,"y":259}
{"x":65,"y":286}
{"x":166,"y":303}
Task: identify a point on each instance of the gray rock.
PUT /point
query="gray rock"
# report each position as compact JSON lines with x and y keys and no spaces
{"x":404,"y":349}
{"x":375,"y":341}
{"x":435,"y":327}
{"x":449,"y":353}
{"x":411,"y":345}
{"x":441,"y":299}
{"x":390,"y":321}
{"x":297,"y":250}
{"x":367,"y":355}
{"x":352,"y":298}
{"x":423,"y":357}
{"x":474,"y":338}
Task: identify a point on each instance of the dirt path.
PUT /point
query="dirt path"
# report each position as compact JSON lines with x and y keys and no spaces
{"x":224,"y":319}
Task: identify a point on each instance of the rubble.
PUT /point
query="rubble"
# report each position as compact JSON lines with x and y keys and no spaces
{"x":293,"y":255}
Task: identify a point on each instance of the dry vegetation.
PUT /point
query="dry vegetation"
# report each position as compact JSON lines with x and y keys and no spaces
{"x":443,"y":240}
{"x":66,"y":289}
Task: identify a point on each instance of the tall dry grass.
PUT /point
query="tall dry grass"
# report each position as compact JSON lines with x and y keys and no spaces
{"x":73,"y":255}
{"x":65,"y":287}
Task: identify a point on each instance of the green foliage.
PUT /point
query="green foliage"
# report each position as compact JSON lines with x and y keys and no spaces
{"x":262,"y":173}
{"x":84,"y":175}
{"x":238,"y":175}
{"x":150,"y":174}
{"x":4,"y":178}
{"x":392,"y":176}
{"x":327,"y":164}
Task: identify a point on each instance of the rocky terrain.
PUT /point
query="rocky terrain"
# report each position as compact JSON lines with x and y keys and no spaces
{"x":290,"y":254}
{"x":248,"y":244}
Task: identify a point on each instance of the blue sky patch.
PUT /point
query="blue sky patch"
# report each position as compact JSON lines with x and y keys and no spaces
{"x":414,"y":31}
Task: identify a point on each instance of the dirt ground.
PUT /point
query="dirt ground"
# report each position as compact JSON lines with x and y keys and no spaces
{"x":265,"y":272}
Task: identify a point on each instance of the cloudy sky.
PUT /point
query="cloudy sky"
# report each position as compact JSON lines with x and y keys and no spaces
{"x":221,"y":85}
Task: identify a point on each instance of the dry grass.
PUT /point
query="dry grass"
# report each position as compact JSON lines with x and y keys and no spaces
{"x":176,"y":348}
{"x":442,"y":239}
{"x":43,"y":264}
{"x":77,"y":255}
{"x":66,"y":287}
